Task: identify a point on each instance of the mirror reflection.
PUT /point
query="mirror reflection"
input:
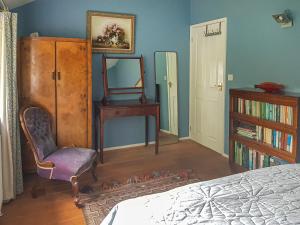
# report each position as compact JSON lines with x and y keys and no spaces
{"x":123,"y":73}
{"x":167,"y":95}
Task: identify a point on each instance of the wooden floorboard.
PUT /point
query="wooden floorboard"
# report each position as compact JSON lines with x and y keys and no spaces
{"x":56,"y":207}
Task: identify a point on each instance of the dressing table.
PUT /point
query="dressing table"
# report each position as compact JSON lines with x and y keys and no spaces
{"x":116,"y":72}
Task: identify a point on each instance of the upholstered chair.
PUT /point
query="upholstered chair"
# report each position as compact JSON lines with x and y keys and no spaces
{"x":65,"y":164}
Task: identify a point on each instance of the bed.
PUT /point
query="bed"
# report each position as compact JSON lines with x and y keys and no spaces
{"x":268,"y":196}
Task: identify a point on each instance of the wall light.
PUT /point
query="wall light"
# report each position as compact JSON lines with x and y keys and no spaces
{"x":284,"y":19}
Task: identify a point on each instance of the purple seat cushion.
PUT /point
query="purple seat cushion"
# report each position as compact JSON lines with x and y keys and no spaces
{"x":68,"y":162}
{"x":37,"y":122}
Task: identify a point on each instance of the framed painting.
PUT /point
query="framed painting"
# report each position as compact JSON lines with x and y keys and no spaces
{"x":111,"y":32}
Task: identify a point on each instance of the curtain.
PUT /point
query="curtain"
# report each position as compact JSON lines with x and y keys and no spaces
{"x":11,"y":181}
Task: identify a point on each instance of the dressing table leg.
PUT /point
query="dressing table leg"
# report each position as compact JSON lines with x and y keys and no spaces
{"x":146,"y":130}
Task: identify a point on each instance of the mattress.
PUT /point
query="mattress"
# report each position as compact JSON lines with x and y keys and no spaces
{"x":268,"y":196}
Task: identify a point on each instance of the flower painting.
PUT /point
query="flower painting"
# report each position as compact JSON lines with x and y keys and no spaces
{"x":111,"y":33}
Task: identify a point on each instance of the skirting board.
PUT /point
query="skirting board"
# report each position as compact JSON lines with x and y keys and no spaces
{"x":185,"y":138}
{"x":225,"y":155}
{"x":138,"y":144}
{"x":127,"y":146}
{"x":165,"y":131}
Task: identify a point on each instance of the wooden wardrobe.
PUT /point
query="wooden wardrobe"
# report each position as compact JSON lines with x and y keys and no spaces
{"x":55,"y":73}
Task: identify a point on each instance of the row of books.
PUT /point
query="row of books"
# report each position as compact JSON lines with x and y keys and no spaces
{"x":252,"y":159}
{"x":266,"y":111}
{"x":275,"y":138}
{"x":278,"y":139}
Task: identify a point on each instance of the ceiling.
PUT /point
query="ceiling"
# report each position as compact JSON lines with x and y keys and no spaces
{"x":16,"y":3}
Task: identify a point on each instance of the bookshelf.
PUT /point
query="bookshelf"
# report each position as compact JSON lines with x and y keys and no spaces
{"x":264,"y":128}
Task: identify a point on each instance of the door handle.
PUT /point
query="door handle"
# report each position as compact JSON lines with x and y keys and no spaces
{"x":219,"y":86}
{"x":58,"y":75}
{"x":170,"y":84}
{"x":53,"y":75}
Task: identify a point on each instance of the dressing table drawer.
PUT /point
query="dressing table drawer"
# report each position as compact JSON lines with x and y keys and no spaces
{"x":129,"y":111}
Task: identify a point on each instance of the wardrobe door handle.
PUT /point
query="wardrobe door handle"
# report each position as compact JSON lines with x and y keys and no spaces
{"x":53,"y":75}
{"x":58,"y":75}
{"x":83,"y":96}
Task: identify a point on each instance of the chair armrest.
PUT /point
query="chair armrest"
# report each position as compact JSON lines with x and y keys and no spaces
{"x":47,"y":164}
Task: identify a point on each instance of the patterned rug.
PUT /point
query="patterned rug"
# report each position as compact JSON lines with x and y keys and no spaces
{"x":105,"y":196}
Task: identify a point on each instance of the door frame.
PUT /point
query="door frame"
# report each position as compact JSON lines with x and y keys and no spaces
{"x":222,"y":144}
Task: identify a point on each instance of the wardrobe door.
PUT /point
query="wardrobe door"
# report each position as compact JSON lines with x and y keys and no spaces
{"x":72,"y":88}
{"x":36,"y":84}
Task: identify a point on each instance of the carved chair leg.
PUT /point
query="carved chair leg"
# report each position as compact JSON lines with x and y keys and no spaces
{"x":75,"y":188}
{"x":94,"y":170}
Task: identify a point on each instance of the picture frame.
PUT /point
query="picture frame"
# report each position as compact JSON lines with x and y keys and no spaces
{"x":111,"y":32}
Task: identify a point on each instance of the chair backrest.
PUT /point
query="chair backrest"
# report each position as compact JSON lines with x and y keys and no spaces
{"x":36,"y":123}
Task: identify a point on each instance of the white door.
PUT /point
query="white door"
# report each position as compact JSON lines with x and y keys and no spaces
{"x":171,"y":61}
{"x":207,"y":83}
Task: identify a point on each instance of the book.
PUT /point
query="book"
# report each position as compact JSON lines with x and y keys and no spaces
{"x":266,"y":161}
{"x":250,"y":167}
{"x":245,"y":157}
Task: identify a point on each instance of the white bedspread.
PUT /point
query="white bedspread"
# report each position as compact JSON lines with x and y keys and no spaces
{"x":268,"y":196}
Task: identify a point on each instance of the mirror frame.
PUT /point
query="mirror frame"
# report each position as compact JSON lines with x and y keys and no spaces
{"x":156,"y":96}
{"x":127,"y":90}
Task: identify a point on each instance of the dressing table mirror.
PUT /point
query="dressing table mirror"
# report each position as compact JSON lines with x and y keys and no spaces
{"x":167,"y":95}
{"x":123,"y":76}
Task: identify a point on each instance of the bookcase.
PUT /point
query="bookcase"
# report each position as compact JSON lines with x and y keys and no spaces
{"x":264,"y":128}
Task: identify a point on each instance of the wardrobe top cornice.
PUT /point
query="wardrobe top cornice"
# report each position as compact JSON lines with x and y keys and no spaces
{"x":55,"y":39}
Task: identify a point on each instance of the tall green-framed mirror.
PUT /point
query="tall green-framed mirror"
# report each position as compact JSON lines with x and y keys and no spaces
{"x":166,"y":74}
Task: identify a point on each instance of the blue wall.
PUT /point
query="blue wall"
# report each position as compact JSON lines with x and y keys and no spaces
{"x":160,"y":25}
{"x":258,"y":49}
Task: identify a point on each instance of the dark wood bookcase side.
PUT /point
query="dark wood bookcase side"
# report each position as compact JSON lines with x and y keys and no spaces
{"x":285,"y":99}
